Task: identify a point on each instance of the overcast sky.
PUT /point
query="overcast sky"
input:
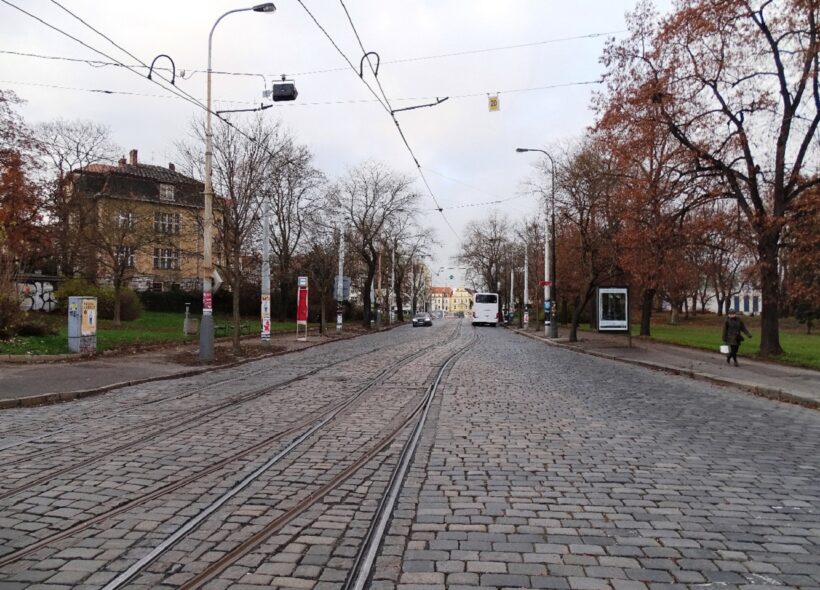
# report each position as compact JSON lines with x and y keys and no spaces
{"x":335,"y":114}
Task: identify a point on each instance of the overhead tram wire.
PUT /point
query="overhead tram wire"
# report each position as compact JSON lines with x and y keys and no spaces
{"x":100,"y":63}
{"x":395,"y":120}
{"x":290,"y":105}
{"x":180,"y":93}
{"x":95,"y":50}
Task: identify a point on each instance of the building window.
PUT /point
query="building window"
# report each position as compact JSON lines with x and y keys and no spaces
{"x":125,"y":254}
{"x":745,"y":304}
{"x":156,"y":286}
{"x":166,"y":259}
{"x":127,"y":220}
{"x":166,"y":223}
{"x":166,"y":192}
{"x":755,"y":304}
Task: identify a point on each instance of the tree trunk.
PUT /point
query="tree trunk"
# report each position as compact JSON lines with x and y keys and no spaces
{"x":647,"y":297}
{"x":236,"y":322}
{"x":673,"y":314}
{"x":399,"y":301}
{"x":366,"y":302}
{"x":322,"y":316}
{"x":117,"y":310}
{"x":580,"y":306}
{"x":770,"y":290}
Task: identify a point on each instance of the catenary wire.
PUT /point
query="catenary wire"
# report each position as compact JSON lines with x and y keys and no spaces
{"x":174,"y":89}
{"x":290,"y":105}
{"x":100,"y":63}
{"x":396,"y":121}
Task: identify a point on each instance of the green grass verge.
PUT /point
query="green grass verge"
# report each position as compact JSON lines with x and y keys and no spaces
{"x":151,"y":328}
{"x":799,"y":349}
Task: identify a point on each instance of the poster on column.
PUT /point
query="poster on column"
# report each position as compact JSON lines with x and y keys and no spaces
{"x":265,"y":316}
{"x":302,"y":302}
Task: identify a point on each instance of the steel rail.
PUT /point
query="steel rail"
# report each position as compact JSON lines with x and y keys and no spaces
{"x":278,"y":523}
{"x":207,"y":411}
{"x":194,"y":522}
{"x":172,"y":486}
{"x":360,"y":573}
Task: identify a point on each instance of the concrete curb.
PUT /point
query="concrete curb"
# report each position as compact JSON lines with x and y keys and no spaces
{"x":757,"y":390}
{"x":54,"y":398}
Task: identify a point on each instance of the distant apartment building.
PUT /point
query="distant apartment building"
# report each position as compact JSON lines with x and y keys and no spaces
{"x":440,"y":299}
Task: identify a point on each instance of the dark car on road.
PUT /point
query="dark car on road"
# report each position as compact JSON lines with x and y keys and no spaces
{"x":422,"y":319}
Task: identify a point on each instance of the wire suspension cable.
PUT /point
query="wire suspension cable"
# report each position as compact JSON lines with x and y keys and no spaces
{"x":396,"y":122}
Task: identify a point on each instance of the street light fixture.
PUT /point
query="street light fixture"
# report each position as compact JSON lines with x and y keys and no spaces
{"x":550,"y":290}
{"x":206,"y":329}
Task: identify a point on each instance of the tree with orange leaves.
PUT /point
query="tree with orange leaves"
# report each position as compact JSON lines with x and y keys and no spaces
{"x":735,"y":82}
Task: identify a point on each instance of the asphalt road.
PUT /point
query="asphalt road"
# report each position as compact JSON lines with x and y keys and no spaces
{"x":538,"y":468}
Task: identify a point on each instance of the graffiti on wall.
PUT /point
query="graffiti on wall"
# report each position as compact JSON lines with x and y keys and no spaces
{"x":37,"y":296}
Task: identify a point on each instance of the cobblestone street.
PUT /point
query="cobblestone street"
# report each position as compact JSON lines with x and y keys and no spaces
{"x":537,"y":468}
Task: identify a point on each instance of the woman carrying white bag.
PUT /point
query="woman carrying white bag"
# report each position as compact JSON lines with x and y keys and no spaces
{"x":733,"y":330}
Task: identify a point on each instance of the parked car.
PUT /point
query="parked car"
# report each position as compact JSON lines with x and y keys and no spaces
{"x":422,"y":319}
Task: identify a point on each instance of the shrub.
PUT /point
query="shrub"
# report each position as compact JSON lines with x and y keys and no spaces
{"x":31,"y":326}
{"x":130,"y":306}
{"x":10,"y":315}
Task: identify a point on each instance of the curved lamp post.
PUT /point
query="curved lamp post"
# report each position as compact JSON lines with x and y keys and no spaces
{"x":206,"y":329}
{"x":550,"y":291}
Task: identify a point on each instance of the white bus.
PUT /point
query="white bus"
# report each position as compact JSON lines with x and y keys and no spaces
{"x":485,"y":309}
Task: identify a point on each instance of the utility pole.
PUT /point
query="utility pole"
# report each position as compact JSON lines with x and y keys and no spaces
{"x":266,"y":274}
{"x":340,"y":281}
{"x":526,"y":290}
{"x":392,"y":283}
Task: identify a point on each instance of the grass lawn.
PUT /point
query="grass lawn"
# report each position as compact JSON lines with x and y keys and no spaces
{"x":704,"y":331}
{"x":151,"y":328}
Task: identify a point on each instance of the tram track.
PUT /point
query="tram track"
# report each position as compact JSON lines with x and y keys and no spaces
{"x":277,"y":524}
{"x":318,"y":419}
{"x":206,"y":411}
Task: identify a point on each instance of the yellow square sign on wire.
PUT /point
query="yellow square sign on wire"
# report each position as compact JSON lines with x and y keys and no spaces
{"x":494,"y":103}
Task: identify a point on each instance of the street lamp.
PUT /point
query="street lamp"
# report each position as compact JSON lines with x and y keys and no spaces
{"x":206,"y":330}
{"x":550,"y":290}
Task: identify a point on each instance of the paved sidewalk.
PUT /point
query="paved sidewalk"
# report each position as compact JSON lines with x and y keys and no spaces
{"x":772,"y":380}
{"x":33,"y":383}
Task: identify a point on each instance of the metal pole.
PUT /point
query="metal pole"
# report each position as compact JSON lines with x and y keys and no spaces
{"x":206,"y":329}
{"x":526,"y":290}
{"x":340,"y":281}
{"x":512,"y":291}
{"x":546,"y":274}
{"x":554,"y":287}
{"x":266,"y":273}
{"x":392,"y":284}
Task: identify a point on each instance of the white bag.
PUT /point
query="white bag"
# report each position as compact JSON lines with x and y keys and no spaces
{"x":724,"y":349}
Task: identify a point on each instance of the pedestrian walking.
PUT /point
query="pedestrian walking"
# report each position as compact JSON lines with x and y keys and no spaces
{"x":733,"y":330}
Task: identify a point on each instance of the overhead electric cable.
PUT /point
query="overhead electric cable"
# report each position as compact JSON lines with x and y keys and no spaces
{"x":95,"y":50}
{"x":395,"y":120}
{"x":191,"y":71}
{"x":174,"y":90}
{"x":288,"y":104}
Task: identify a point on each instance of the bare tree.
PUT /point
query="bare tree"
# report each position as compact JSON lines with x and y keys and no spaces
{"x":243,"y":155}
{"x":67,"y":146}
{"x":294,"y":191}
{"x":483,"y":249}
{"x":118,"y":232}
{"x":369,"y":197}
{"x":406,"y":241}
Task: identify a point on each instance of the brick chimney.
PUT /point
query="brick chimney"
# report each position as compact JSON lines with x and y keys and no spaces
{"x":121,"y":162}
{"x":132,"y":157}
{"x":171,"y":167}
